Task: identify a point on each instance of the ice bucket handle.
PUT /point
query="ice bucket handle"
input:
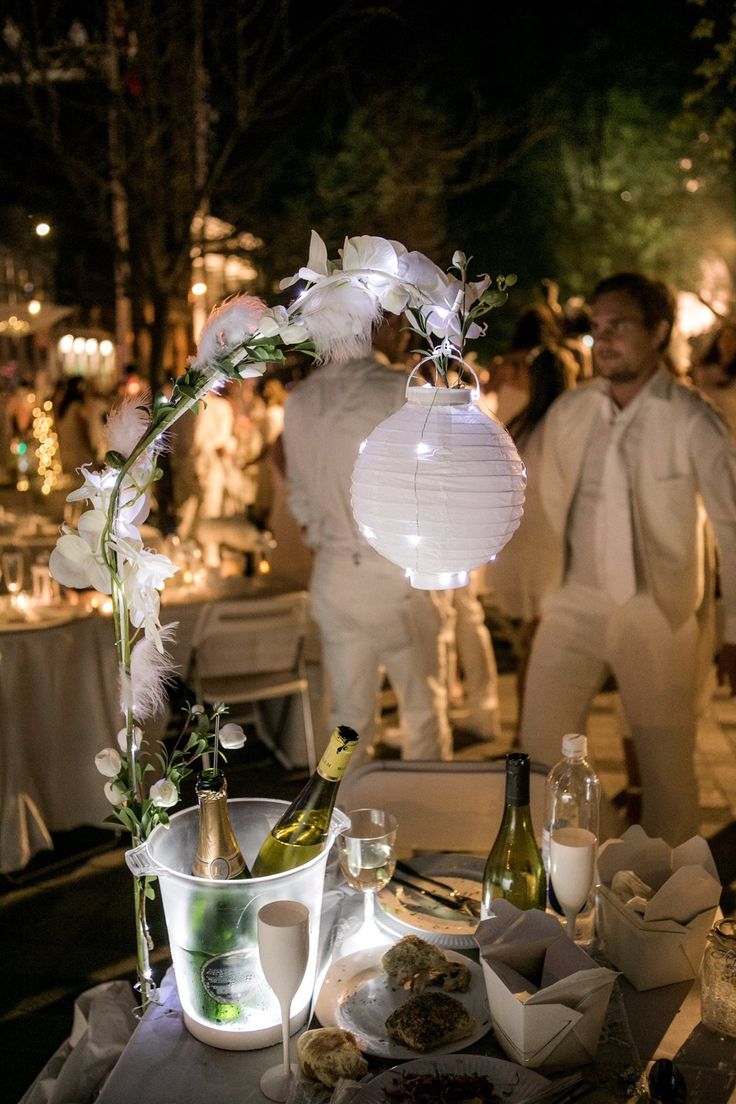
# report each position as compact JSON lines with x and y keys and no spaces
{"x":141,"y":863}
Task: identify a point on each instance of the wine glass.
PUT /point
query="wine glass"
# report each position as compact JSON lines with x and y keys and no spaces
{"x":571,"y":865}
{"x":283,"y":948}
{"x":13,"y":571}
{"x":367,"y":852}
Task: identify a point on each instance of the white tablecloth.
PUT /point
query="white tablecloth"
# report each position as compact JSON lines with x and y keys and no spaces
{"x":57,"y":710}
{"x":59,"y":707}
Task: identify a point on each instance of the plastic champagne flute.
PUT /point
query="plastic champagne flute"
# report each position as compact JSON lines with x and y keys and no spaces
{"x":12,"y":568}
{"x":283,"y":948}
{"x":367,"y":852}
{"x":571,"y":865}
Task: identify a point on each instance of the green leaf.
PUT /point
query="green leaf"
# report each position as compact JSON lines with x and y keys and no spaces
{"x":149,"y":892}
{"x":114,"y":459}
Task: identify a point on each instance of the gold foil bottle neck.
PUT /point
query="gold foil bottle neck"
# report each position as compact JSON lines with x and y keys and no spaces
{"x":218,"y":856}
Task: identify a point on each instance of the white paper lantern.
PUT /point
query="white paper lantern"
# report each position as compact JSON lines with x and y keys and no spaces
{"x":438,"y":487}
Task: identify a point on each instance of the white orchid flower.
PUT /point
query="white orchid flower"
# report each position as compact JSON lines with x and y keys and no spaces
{"x":232,"y":736}
{"x":316,"y":267}
{"x":276,"y":323}
{"x":114,"y":794}
{"x":377,"y":255}
{"x":134,"y":503}
{"x":122,"y":738}
{"x":164,"y":793}
{"x":77,"y":561}
{"x":97,"y":487}
{"x":108,"y":762}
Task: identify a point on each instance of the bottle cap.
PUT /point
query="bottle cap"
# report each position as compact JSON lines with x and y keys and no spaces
{"x":574,"y":745}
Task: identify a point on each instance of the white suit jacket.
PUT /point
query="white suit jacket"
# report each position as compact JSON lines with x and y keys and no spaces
{"x":682,"y":466}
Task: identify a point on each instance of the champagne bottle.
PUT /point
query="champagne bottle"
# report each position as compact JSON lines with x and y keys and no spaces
{"x":514,"y":868}
{"x":302,"y":831}
{"x":218,"y":855}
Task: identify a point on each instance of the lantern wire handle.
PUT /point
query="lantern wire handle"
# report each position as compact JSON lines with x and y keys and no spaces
{"x":454,"y":360}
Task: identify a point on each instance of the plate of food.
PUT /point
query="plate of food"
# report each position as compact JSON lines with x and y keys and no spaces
{"x":407,"y":999}
{"x":453,"y":1079}
{"x":402,"y":909}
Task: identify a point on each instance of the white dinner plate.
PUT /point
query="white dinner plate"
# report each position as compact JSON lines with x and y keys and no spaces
{"x":357,"y":995}
{"x":403,"y":911}
{"x":512,"y":1083}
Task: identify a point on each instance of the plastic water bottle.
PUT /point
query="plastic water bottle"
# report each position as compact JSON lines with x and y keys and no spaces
{"x":572,"y":798}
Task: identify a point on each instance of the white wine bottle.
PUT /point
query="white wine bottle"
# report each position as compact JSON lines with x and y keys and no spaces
{"x":218,"y":855}
{"x":514,"y":868}
{"x":302,"y":831}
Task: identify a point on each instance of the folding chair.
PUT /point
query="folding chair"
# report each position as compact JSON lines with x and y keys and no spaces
{"x":251,"y":651}
{"x":440,"y":806}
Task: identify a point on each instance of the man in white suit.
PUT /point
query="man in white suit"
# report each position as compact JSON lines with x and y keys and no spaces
{"x":634,"y":462}
{"x":368,"y":613}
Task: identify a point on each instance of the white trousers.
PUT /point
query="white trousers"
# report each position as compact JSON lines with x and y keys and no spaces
{"x":582,"y":637}
{"x":370,"y":617}
{"x":468,"y":639}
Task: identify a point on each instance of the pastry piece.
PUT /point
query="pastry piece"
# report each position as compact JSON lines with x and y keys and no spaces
{"x":411,"y":961}
{"x":328,"y":1053}
{"x":430,"y":1020}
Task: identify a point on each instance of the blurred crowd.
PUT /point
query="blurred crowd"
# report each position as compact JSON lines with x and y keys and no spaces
{"x":262,"y":444}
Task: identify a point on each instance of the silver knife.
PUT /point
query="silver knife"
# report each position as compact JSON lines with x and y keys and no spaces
{"x":459,"y":904}
{"x":462,"y":898}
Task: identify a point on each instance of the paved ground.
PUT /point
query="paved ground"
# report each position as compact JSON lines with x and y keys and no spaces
{"x":65,"y":923}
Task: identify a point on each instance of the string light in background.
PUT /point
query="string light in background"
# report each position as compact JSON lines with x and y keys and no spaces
{"x":47,"y":452}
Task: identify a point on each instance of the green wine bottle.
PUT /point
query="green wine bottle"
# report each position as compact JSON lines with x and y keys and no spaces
{"x":514,"y":867}
{"x":302,"y":831}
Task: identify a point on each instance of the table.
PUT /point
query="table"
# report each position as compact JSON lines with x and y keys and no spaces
{"x":59,"y":707}
{"x":164,"y":1064}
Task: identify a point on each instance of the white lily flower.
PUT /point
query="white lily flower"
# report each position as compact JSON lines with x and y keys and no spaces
{"x":122,"y":739}
{"x":163,"y":793}
{"x":232,"y":736}
{"x":114,"y":794}
{"x":108,"y":762}
{"x":77,"y":561}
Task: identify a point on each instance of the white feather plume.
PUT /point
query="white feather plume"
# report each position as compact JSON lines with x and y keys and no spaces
{"x":340,"y":320}
{"x":150,"y":670}
{"x":126,"y":424}
{"x":227,"y":326}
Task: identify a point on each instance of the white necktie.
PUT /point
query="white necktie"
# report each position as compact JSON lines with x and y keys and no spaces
{"x":616,"y":530}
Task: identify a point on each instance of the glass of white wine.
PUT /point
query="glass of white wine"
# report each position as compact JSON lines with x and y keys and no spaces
{"x":367,"y":851}
{"x":13,"y":568}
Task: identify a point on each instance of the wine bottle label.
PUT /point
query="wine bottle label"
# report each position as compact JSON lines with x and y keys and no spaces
{"x":231,"y":978}
{"x":337,"y":754}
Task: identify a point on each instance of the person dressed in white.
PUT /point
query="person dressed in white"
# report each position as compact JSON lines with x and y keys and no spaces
{"x":213,"y":443}
{"x":368,"y":614}
{"x":633,"y":463}
{"x":529,"y":565}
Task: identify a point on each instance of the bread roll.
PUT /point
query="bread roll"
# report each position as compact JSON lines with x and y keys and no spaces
{"x":328,"y":1053}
